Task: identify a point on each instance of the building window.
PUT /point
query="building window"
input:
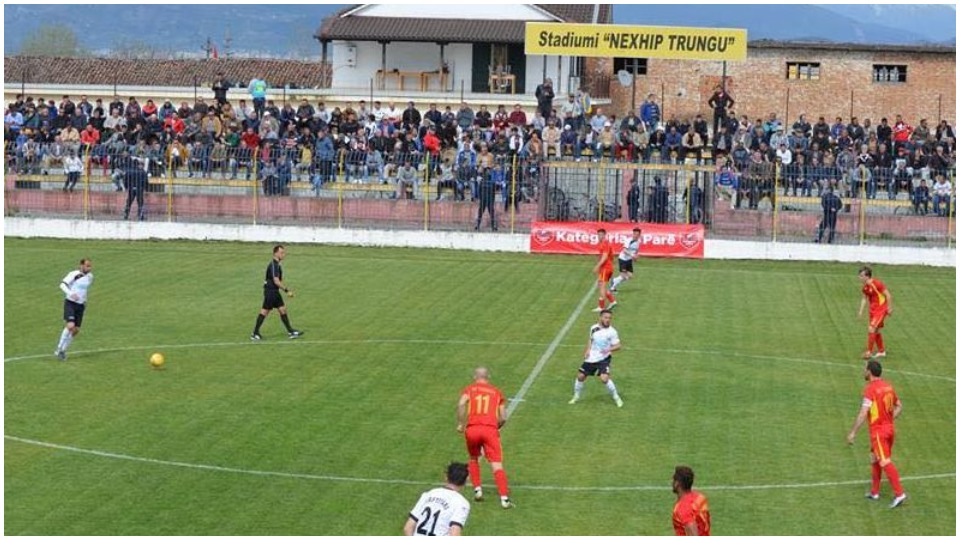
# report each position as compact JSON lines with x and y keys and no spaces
{"x":803,"y":71}
{"x":499,"y":58}
{"x":630,"y":65}
{"x":887,"y":73}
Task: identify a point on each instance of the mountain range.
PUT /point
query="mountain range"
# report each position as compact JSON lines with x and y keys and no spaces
{"x":287,"y":30}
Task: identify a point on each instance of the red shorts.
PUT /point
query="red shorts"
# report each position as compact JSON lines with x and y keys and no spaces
{"x":881,"y":444}
{"x":877,"y":317}
{"x":605,"y":274}
{"x":486,"y":438}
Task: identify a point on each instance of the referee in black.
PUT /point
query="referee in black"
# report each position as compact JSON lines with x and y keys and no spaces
{"x":272,"y":284}
{"x":488,"y":190}
{"x":136,"y":180}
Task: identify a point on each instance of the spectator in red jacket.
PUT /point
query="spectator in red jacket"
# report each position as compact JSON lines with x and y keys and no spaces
{"x":149,"y":109}
{"x":501,"y":120}
{"x":518,"y":118}
{"x":901,"y":132}
{"x":90,"y":135}
{"x":250,"y":138}
{"x":175,"y":123}
{"x":431,"y":143}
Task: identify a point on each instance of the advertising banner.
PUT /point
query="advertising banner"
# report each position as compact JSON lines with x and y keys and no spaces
{"x":657,"y":240}
{"x":627,"y":41}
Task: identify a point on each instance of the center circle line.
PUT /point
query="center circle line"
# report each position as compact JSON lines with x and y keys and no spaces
{"x":388,"y":481}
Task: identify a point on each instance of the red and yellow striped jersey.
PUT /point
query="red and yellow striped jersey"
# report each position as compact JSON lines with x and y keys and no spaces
{"x":881,"y":398}
{"x":876,"y":293}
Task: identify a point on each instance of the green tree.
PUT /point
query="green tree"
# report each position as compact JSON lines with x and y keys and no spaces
{"x":52,"y":40}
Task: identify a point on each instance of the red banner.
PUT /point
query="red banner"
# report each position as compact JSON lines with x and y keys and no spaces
{"x":657,"y":240}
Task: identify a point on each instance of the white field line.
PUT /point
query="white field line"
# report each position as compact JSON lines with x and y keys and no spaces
{"x":547,"y":354}
{"x":359,"y":480}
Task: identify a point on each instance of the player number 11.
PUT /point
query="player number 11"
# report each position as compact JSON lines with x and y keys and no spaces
{"x":483,"y":403}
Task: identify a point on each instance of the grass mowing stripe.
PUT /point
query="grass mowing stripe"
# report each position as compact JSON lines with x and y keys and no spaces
{"x":547,"y":354}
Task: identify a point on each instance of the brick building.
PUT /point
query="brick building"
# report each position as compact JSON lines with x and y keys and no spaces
{"x":828,"y":79}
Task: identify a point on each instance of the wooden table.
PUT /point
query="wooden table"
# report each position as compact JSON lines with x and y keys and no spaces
{"x":425,"y":77}
{"x":399,"y":75}
{"x":496,"y":81}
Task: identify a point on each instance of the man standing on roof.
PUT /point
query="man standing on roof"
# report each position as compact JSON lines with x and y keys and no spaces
{"x":258,"y":91}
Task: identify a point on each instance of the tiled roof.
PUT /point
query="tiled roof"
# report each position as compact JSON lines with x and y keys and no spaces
{"x":838,"y":46}
{"x":110,"y":71}
{"x":338,"y":27}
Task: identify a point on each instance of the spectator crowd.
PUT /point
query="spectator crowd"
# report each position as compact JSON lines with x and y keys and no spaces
{"x":460,"y":150}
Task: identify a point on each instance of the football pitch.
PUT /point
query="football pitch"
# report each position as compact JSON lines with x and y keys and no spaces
{"x":748,"y":372}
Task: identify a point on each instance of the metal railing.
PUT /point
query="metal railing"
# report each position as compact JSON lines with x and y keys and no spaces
{"x":349,"y":188}
{"x":447,"y":191}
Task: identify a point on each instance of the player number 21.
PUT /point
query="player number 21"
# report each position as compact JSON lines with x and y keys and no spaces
{"x":425,"y":518}
{"x":483,"y":403}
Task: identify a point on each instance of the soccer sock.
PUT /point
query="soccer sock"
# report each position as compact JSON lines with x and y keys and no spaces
{"x":473,"y":467}
{"x":577,"y":387}
{"x":500,"y":477}
{"x":612,"y":388}
{"x":616,"y":281}
{"x":878,"y":339}
{"x":894,"y":476}
{"x":286,"y":322}
{"x":256,"y":329}
{"x":875,"y":478}
{"x":67,"y":340}
{"x":64,"y":339}
{"x":610,"y":297}
{"x":603,"y":304}
{"x":870,"y":340}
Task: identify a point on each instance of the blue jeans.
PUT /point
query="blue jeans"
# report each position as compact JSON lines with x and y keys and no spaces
{"x":945,"y":200}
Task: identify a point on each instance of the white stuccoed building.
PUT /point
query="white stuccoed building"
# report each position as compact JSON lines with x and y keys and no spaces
{"x":476,"y":49}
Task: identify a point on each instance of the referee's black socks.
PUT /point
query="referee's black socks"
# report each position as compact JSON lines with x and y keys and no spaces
{"x":256,"y":329}
{"x":286,"y":322}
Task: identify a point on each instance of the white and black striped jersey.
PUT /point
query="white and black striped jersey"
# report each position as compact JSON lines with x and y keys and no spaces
{"x":76,"y":283}
{"x":601,"y":341}
{"x":630,"y":249}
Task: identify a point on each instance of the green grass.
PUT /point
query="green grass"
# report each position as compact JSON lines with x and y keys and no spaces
{"x":747,"y":371}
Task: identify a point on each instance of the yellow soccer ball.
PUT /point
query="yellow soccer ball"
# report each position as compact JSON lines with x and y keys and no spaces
{"x":157,"y":360}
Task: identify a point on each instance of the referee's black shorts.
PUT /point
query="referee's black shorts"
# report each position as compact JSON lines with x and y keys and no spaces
{"x":272,"y":299}
{"x":73,"y":312}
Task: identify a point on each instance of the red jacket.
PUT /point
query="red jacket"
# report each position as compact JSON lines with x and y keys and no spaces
{"x":175,"y":123}
{"x":431,"y":143}
{"x":252,"y":139}
{"x":902,"y":132}
{"x":90,"y":137}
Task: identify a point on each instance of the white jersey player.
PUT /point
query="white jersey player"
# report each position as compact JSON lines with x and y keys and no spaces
{"x":75,"y":286}
{"x":604,"y":341}
{"x":442,"y":511}
{"x":629,"y":253}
